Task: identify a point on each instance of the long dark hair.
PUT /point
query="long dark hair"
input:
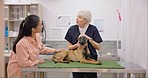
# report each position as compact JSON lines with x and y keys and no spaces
{"x":25,"y":29}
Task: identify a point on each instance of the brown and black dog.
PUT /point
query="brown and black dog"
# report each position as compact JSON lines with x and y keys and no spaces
{"x":81,"y":54}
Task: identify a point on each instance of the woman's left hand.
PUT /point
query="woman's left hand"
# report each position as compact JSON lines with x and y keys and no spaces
{"x":41,"y":61}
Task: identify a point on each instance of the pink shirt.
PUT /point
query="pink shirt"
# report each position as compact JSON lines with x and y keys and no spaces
{"x":27,"y":52}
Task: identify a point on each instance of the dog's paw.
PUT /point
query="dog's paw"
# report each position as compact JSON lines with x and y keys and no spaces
{"x":55,"y":62}
{"x":99,"y":63}
{"x":66,"y":61}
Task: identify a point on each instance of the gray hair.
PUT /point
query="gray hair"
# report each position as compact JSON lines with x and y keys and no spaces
{"x":85,"y":14}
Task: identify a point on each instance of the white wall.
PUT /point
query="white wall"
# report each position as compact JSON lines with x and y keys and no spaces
{"x":137,"y":33}
{"x":101,"y":9}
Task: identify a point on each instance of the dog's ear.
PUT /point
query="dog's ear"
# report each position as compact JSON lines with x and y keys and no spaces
{"x":86,"y":39}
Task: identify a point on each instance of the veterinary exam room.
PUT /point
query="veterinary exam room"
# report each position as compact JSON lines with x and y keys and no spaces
{"x":74,"y":38}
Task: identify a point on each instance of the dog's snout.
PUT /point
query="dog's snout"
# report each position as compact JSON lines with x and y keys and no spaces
{"x":82,"y":40}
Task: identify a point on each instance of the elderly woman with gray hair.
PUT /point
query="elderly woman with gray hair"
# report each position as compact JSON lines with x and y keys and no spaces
{"x":84,"y":28}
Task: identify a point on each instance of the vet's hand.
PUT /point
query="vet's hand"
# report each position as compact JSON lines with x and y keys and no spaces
{"x":85,"y":36}
{"x":77,"y":44}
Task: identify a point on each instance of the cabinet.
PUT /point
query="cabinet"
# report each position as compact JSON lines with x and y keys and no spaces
{"x":14,"y":15}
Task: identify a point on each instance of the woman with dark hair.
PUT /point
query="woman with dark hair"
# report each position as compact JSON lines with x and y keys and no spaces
{"x":27,"y":47}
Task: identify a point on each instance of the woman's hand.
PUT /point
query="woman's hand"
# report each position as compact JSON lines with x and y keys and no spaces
{"x":59,"y":50}
{"x":41,"y":46}
{"x":41,"y":61}
{"x":38,"y":61}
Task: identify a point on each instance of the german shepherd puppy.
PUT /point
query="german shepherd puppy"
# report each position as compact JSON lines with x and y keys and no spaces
{"x":81,"y":54}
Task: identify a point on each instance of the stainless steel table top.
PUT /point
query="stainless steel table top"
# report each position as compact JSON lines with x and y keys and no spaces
{"x":129,"y":68}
